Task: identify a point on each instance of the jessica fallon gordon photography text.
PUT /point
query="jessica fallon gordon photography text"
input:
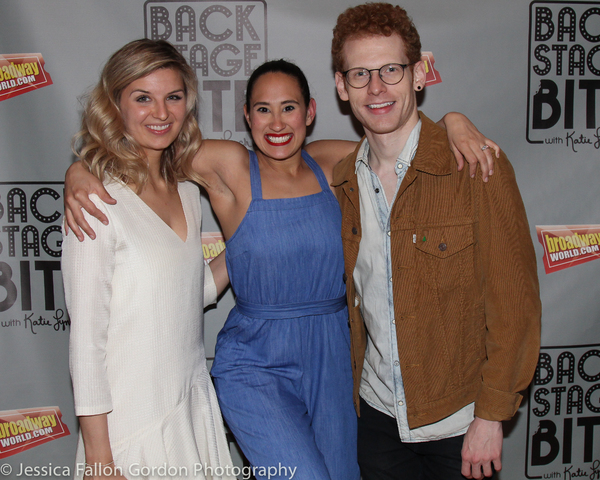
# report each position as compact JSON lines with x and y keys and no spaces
{"x":164,"y":471}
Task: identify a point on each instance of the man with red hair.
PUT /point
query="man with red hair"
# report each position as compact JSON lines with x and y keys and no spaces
{"x":440,"y":270}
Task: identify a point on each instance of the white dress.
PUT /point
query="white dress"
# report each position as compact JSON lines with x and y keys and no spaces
{"x":135,"y":296}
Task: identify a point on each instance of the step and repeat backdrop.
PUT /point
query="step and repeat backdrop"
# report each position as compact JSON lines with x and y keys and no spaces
{"x":527,"y":74}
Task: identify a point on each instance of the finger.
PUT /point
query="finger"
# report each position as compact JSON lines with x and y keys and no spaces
{"x":497,"y":464}
{"x":85,"y":226}
{"x":465,"y":469}
{"x":494,"y":146}
{"x":490,"y":156}
{"x":72,"y":224}
{"x":480,"y":475}
{"x":65,"y":225}
{"x":105,"y":197}
{"x":473,"y":161}
{"x":81,"y":222}
{"x":486,"y":160}
{"x":476,"y":471}
{"x":476,"y":157}
{"x":487,"y":469}
{"x":91,"y":208}
{"x":483,"y":158}
{"x":460,"y":160}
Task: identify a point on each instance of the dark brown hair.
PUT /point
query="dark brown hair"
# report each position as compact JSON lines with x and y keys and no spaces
{"x":279,"y":66}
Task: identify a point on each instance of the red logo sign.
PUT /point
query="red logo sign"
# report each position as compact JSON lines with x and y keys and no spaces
{"x":24,"y":429}
{"x":568,"y":245}
{"x":212,"y":244}
{"x":432,"y":75}
{"x":21,"y":73}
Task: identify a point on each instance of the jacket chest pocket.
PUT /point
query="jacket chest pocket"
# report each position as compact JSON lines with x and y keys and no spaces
{"x":445,"y":255}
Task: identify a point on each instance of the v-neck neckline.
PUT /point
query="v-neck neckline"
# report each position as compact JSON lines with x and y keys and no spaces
{"x":153,"y":213}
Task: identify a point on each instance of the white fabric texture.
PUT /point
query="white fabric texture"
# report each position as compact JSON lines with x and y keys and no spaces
{"x":135,"y":300}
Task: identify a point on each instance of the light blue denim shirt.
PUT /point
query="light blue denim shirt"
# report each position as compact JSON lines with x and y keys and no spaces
{"x":381,"y":383}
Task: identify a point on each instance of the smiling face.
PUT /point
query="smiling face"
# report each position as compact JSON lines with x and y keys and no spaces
{"x":153,"y":110}
{"x":382,"y":109}
{"x":277,"y":115}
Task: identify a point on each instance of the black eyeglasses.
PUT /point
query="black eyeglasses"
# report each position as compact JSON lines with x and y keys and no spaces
{"x":390,"y":74}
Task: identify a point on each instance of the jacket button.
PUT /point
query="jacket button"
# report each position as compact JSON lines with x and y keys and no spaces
{"x":442,"y":247}
{"x":351,"y":189}
{"x":354,"y":230}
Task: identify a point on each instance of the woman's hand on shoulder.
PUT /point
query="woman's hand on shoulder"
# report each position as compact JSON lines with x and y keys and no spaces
{"x":468,"y":143}
{"x":79,"y":185}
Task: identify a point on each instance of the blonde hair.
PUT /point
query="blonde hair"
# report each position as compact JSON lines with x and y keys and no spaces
{"x":103,"y":144}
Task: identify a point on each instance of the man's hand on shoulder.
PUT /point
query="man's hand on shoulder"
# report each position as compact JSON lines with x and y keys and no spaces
{"x":482,"y":448}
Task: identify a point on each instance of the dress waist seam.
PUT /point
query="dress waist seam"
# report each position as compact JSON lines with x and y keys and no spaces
{"x":290,"y":310}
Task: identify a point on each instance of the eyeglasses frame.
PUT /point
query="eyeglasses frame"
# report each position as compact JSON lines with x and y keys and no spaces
{"x":403,"y":65}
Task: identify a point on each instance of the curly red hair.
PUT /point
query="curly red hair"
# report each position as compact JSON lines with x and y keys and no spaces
{"x":374,"y":19}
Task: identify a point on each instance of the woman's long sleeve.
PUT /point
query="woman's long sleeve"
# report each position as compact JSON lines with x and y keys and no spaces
{"x":87,"y":274}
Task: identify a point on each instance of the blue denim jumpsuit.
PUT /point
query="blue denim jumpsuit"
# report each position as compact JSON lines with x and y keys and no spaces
{"x":282,"y":365}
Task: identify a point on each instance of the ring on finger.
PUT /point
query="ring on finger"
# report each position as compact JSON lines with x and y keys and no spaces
{"x":484,"y":147}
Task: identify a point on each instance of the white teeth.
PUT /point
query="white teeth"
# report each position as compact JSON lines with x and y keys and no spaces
{"x":279,"y":139}
{"x":380,"y":105}
{"x":159,"y":128}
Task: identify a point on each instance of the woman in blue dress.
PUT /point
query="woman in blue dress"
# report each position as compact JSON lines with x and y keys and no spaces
{"x":282,"y":366}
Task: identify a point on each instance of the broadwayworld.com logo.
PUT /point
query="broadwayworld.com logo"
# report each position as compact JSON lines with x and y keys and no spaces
{"x":568,"y":245}
{"x":24,"y":429}
{"x":12,"y":433}
{"x":22,"y":73}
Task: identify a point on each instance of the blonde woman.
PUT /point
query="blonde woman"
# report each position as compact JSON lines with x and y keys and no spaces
{"x":135,"y":295}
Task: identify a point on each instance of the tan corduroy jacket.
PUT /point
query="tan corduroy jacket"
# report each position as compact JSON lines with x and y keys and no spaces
{"x":466,"y":295}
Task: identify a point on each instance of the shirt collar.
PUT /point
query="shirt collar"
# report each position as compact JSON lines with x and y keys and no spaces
{"x":405,"y":157}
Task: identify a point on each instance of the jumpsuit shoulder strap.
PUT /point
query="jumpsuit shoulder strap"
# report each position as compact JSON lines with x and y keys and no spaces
{"x":314,"y":166}
{"x":255,"y":182}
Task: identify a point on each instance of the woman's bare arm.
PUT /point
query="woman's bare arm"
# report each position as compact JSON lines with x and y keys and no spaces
{"x":217,"y":161}
{"x":328,"y":153}
{"x":218,"y":268}
{"x":98,"y":454}
{"x":466,"y":142}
